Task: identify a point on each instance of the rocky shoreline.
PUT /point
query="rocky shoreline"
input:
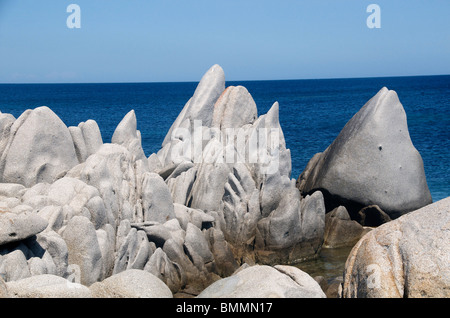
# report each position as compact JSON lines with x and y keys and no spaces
{"x":215,"y":213}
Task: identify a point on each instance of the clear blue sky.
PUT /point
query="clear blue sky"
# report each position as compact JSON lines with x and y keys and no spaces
{"x":178,"y":40}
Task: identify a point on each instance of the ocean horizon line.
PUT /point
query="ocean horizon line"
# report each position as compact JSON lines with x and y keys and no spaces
{"x":229,"y":81}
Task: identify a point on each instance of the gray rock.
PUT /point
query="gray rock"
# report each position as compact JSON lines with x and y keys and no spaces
{"x":40,"y":149}
{"x":180,"y":183}
{"x":234,"y":108}
{"x":46,"y":286}
{"x":225,"y":263}
{"x":111,"y":170}
{"x":14,"y":266}
{"x":340,"y":230}
{"x":132,"y":283}
{"x":164,"y":269}
{"x":6,"y":122}
{"x":54,"y":216}
{"x":92,"y":136}
{"x":196,"y":242}
{"x":262,"y":281}
{"x":187,"y":215}
{"x":155,"y":232}
{"x":241,"y":206}
{"x":239,"y":173}
{"x":82,"y":198}
{"x":54,"y":244}
{"x":106,"y":242}
{"x":208,"y":188}
{"x":133,"y":253}
{"x":201,"y":105}
{"x":11,"y":190}
{"x":157,"y":202}
{"x":407,"y":257}
{"x":84,"y":250}
{"x":3,"y":289}
{"x":37,"y":266}
{"x":78,"y":143}
{"x":312,"y":209}
{"x":372,"y":161}
{"x":293,"y":231}
{"x":127,"y":135}
{"x":17,"y":227}
{"x":372,"y":215}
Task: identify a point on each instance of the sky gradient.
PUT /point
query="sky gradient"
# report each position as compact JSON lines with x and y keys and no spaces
{"x":178,"y":40}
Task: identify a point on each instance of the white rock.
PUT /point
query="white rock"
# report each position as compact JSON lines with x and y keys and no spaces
{"x":127,"y":135}
{"x":78,"y":143}
{"x":40,"y":149}
{"x":84,"y":249}
{"x":92,"y":136}
{"x":157,"y":201}
{"x":234,"y":108}
{"x":13,"y":266}
{"x":17,"y":227}
{"x":132,"y":283}
{"x":262,"y":281}
{"x":47,"y":286}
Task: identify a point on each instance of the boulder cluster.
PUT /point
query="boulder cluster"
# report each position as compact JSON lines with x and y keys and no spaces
{"x":84,"y":218}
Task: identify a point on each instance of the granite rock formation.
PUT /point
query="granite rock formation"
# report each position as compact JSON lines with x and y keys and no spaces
{"x":371,"y":162}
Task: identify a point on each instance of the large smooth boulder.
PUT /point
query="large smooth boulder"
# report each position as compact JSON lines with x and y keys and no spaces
{"x":408,"y":257}
{"x":262,"y":281}
{"x":132,"y":283}
{"x":372,"y":161}
{"x":83,"y":249}
{"x":40,"y":148}
{"x":17,"y":227}
{"x":46,"y":286}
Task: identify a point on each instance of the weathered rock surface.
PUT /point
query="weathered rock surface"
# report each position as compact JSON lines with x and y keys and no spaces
{"x":235,"y":165}
{"x":46,"y":286}
{"x":16,"y":227}
{"x":340,"y":230}
{"x":372,"y":161}
{"x":131,"y":283}
{"x":278,"y":282}
{"x":84,"y":250}
{"x":39,"y":149}
{"x":83,"y":218}
{"x":407,"y":257}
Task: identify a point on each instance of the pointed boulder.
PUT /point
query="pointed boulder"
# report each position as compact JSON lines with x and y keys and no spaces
{"x":372,"y":161}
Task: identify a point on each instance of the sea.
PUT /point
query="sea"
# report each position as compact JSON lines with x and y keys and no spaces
{"x":312,"y":112}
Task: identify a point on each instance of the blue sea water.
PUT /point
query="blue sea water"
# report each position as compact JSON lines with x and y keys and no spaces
{"x":312,"y":112}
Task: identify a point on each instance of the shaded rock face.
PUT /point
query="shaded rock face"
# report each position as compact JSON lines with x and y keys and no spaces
{"x":372,"y":161}
{"x":407,"y":257}
{"x":340,"y":230}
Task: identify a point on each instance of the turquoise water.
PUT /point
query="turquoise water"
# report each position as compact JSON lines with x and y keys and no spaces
{"x":312,"y":112}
